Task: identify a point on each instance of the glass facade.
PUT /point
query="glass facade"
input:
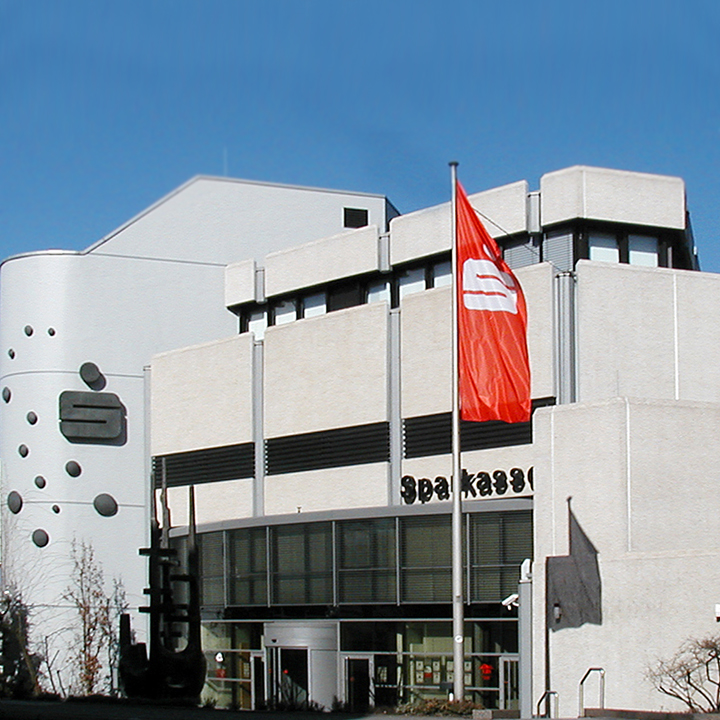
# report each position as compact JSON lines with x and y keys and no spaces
{"x":301,"y":569}
{"x":385,"y":584}
{"x":405,"y":659}
{"x":366,"y":561}
{"x":393,"y":560}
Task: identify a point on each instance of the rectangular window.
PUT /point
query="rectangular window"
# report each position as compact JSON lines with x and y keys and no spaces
{"x":355,"y":217}
{"x":366,"y":562}
{"x":411,"y":281}
{"x":343,"y":295}
{"x":425,"y":559}
{"x":643,"y":250}
{"x":378,"y":291}
{"x":499,"y":543}
{"x":212,"y":563}
{"x":314,"y":305}
{"x":247,"y":566}
{"x":369,"y":636}
{"x":302,"y":564}
{"x":558,"y":249}
{"x":284,"y":311}
{"x":442,"y":274}
{"x":603,"y":247}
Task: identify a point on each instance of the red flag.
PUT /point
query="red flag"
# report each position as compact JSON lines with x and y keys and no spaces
{"x":492,"y":326}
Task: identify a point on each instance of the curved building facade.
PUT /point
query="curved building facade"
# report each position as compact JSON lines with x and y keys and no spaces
{"x":77,"y":331}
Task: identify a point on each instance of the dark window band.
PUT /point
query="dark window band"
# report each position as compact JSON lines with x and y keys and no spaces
{"x":357,"y":445}
{"x":424,"y":436}
{"x":228,"y":462}
{"x":427,"y":435}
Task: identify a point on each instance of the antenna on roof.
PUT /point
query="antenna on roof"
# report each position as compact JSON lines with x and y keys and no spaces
{"x":225,"y":161}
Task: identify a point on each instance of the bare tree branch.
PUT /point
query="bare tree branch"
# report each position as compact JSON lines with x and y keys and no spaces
{"x":692,"y":675}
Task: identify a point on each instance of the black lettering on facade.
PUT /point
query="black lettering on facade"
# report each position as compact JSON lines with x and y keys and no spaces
{"x":425,"y":490}
{"x":481,"y":484}
{"x":408,"y":490}
{"x":442,"y":488}
{"x":466,"y":484}
{"x":501,"y":483}
{"x":484,"y":484}
{"x":517,"y":479}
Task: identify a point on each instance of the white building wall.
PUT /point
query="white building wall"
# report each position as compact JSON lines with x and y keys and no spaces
{"x":344,"y":255}
{"x":614,"y":195}
{"x":698,"y":335}
{"x":214,"y":501}
{"x":426,"y":342}
{"x":326,"y":372}
{"x":425,"y":351}
{"x":155,"y":284}
{"x":642,"y":493}
{"x":354,"y":486}
{"x":647,"y":332}
{"x":86,"y":308}
{"x":426,"y":232}
{"x":224,"y":220}
{"x":638,"y":470}
{"x":240,"y":282}
{"x":202,"y":396}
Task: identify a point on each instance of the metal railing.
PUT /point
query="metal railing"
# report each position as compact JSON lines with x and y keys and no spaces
{"x":548,"y":694}
{"x":581,"y":689}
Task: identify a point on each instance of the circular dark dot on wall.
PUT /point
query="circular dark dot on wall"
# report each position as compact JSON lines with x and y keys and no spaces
{"x":72,"y":468}
{"x":91,"y":376}
{"x":6,"y":394}
{"x":32,"y":418}
{"x":40,"y":481}
{"x":14,"y":502}
{"x":24,"y":450}
{"x":51,"y":331}
{"x":11,"y":354}
{"x":56,"y":509}
{"x":28,"y":330}
{"x":106,"y":505}
{"x":40,"y":537}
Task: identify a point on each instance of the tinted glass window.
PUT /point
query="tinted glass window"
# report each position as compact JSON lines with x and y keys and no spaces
{"x":355,"y":217}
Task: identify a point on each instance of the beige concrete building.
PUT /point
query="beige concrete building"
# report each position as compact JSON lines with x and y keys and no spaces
{"x":318,"y":442}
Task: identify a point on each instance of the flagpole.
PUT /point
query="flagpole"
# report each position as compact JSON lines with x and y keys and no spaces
{"x":457,"y":569}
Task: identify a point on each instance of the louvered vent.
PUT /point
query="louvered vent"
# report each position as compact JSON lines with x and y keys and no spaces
{"x":228,"y":462}
{"x":426,"y":435}
{"x":521,"y":254}
{"x":558,"y":250}
{"x":356,"y":445}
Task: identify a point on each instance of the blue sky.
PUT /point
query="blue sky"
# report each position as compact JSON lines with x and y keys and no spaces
{"x":107,"y":106}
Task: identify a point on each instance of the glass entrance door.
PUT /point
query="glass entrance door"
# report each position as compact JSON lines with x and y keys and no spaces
{"x":288,"y":677}
{"x":358,"y":692}
{"x":258,"y":681}
{"x":509,"y":693}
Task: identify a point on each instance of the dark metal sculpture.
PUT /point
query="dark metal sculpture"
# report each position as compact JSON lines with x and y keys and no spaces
{"x":167,"y":673}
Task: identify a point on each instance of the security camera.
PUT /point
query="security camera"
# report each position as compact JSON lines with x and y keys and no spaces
{"x":511,"y":601}
{"x":717,"y":613}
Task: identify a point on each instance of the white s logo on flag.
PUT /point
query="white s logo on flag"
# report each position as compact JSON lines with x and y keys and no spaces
{"x":486,"y":287}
